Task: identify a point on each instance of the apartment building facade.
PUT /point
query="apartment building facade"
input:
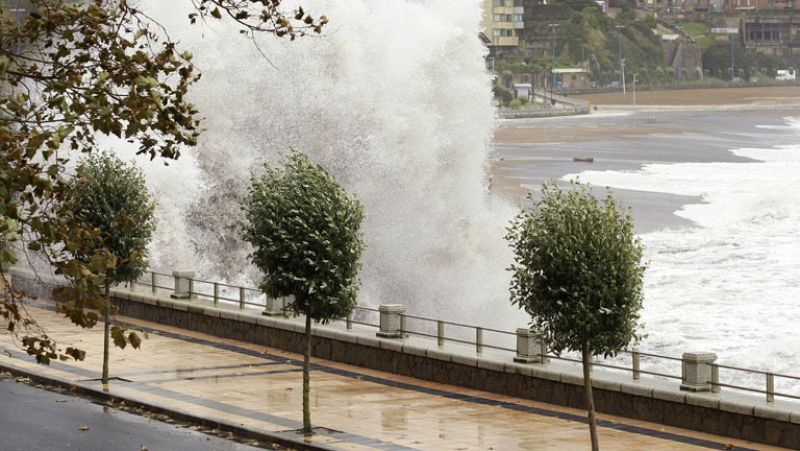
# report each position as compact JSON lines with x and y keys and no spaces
{"x":503,"y":24}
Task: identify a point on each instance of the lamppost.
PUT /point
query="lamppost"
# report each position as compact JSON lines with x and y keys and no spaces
{"x":621,"y":60}
{"x":18,"y":16}
{"x":553,"y":26}
{"x":733,"y":57}
{"x":634,"y":88}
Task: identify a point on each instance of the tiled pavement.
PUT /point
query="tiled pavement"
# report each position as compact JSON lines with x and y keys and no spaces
{"x":260,"y":388}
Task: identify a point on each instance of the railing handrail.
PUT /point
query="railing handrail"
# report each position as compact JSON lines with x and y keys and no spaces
{"x":478,"y":342}
{"x":764,"y":373}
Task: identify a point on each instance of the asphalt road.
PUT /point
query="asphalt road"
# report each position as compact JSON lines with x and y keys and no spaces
{"x":33,"y":419}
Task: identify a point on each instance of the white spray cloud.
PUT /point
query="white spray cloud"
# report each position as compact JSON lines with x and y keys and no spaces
{"x":394,"y":100}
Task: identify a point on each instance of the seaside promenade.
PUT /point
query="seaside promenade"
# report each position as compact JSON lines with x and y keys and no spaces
{"x":246,"y":387}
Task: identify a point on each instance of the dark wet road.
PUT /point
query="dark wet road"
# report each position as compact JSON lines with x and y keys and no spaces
{"x":32,"y":419}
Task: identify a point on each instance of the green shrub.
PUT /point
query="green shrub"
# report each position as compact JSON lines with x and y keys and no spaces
{"x":503,"y":95}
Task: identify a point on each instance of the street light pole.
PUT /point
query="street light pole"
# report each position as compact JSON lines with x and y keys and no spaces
{"x":733,"y":56}
{"x":621,"y":60}
{"x":553,"y":26}
{"x":634,"y":89}
{"x":18,"y":22}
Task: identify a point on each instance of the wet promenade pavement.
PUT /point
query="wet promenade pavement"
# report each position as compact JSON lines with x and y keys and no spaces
{"x":260,"y":389}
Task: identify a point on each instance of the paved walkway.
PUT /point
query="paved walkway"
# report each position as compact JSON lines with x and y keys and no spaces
{"x":260,"y":388}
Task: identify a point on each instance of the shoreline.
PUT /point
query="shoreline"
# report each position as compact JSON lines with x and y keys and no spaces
{"x":530,"y":152}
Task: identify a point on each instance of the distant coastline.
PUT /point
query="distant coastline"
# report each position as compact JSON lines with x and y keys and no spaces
{"x":750,"y":97}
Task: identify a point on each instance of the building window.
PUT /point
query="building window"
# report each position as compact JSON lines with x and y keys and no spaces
{"x":507,"y":18}
{"x":497,"y":33}
{"x":518,"y":2}
{"x":499,"y":2}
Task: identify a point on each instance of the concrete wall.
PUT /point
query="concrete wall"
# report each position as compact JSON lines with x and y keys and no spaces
{"x":650,"y":399}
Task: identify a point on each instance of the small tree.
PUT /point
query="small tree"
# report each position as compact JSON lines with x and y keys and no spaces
{"x":577,"y":271}
{"x":304,"y":229}
{"x":110,"y":198}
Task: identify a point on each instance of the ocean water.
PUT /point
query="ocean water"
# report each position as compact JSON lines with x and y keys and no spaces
{"x":729,"y":284}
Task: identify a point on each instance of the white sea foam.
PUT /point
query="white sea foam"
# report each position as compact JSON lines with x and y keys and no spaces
{"x":728,"y":285}
{"x":395,"y":101}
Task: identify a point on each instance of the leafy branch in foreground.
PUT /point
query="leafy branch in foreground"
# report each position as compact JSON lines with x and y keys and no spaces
{"x":69,"y":73}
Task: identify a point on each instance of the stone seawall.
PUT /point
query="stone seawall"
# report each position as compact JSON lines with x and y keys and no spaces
{"x":650,"y":399}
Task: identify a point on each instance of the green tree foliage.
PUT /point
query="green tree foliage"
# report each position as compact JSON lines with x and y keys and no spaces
{"x":717,"y":61}
{"x":70,"y":71}
{"x":502,"y":95}
{"x":304,"y":229}
{"x":651,"y":21}
{"x":592,"y":40}
{"x":577,"y":271}
{"x":626,"y":15}
{"x":110,"y":198}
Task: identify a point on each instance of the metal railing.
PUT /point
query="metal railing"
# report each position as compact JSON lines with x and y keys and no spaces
{"x":470,"y":335}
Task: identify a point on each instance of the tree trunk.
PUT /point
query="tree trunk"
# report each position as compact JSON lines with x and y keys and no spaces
{"x":106,"y":329}
{"x":587,"y":383}
{"x":306,"y":379}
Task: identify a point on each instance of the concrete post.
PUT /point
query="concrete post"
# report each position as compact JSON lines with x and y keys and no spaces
{"x":390,"y":321}
{"x":275,"y":307}
{"x":530,"y":346}
{"x":182,"y":284}
{"x":696,"y":370}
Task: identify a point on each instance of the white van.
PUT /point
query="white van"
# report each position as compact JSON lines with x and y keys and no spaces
{"x":786,"y":74}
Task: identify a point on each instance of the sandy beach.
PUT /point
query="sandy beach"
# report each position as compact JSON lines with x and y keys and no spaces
{"x":529,"y":152}
{"x":768,"y":96}
{"x":718,"y":101}
{"x":511,"y":134}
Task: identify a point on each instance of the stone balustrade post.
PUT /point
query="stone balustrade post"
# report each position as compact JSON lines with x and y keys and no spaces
{"x":275,"y":307}
{"x":531,"y":347}
{"x":391,"y":320}
{"x":696,"y":370}
{"x":182,"y":284}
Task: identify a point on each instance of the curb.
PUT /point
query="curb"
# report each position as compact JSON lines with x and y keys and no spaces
{"x":182,"y":416}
